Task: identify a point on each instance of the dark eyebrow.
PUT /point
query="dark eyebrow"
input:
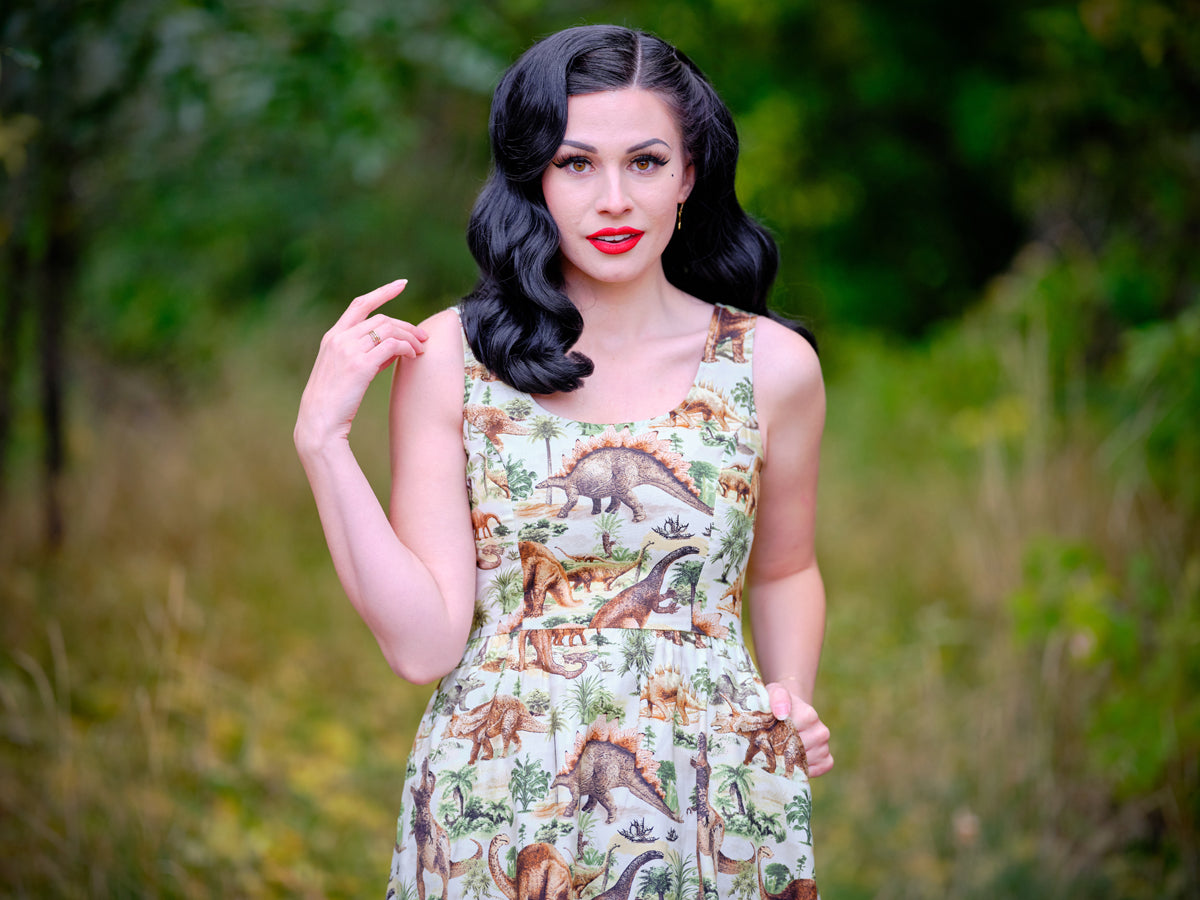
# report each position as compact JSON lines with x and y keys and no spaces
{"x":644,"y":144}
{"x":588,"y":148}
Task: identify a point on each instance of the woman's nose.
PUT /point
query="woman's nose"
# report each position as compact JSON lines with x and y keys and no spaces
{"x":613,"y":198}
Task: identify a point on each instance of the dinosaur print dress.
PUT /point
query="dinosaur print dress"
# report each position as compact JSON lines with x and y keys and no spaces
{"x":607,"y":734}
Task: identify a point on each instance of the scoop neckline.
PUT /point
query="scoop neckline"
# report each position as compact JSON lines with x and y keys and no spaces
{"x":712,"y":325}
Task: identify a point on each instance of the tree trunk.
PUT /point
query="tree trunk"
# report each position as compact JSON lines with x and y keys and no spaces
{"x":55,"y":284}
{"x":15,"y":278}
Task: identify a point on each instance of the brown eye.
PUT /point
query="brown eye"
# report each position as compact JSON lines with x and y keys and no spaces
{"x":578,"y":165}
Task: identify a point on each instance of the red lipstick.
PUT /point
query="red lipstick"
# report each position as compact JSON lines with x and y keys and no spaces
{"x":615,"y":240}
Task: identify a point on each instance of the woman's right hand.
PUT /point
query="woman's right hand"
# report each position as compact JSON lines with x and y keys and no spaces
{"x":357,"y":348}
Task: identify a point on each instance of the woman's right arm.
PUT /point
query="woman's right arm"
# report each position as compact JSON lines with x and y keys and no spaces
{"x":411,"y":576}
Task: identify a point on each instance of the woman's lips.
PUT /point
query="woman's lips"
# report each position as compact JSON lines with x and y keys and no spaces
{"x":615,"y":240}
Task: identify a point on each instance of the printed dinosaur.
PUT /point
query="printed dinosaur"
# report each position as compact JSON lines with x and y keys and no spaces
{"x":612,"y":465}
{"x":734,"y":594}
{"x":479,"y":522}
{"x":456,"y":694}
{"x":605,"y":571}
{"x":709,"y":406}
{"x":623,"y":886}
{"x":631,"y":607}
{"x":732,"y":326}
{"x":796,"y":889}
{"x":666,"y":693}
{"x":710,"y":826}
{"x":607,"y":757}
{"x":772,"y":737}
{"x":733,"y":693}
{"x":433,"y":843}
{"x":493,"y":422}
{"x":544,"y":576}
{"x":543,"y":641}
{"x":543,"y":874}
{"x":732,"y":481}
{"x":501,"y":717}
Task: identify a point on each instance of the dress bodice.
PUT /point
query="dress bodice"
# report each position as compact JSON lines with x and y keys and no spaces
{"x":644,"y":524}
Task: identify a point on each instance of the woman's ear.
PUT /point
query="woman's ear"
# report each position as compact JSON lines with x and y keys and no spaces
{"x":689,"y":182}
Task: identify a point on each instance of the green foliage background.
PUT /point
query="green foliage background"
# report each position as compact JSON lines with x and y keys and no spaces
{"x":989,"y":214}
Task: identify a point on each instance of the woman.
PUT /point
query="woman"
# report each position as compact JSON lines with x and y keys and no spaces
{"x":589,"y":457}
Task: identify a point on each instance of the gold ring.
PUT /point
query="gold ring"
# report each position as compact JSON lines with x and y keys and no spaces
{"x":375,"y":338}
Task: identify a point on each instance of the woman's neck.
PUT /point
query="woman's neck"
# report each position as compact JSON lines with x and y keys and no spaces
{"x":616,"y":314}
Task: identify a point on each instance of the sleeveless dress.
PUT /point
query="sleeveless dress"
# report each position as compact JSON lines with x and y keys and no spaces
{"x":607,"y":733}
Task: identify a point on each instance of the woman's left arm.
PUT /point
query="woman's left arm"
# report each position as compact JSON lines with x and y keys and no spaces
{"x":787,"y":596}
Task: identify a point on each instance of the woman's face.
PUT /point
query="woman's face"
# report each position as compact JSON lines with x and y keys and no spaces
{"x":614,"y":185}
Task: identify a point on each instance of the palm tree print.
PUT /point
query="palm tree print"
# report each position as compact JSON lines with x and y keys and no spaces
{"x":687,"y":577}
{"x":637,"y":653}
{"x":459,"y":783}
{"x":738,"y":780}
{"x":585,"y":827}
{"x":545,"y":428}
{"x":655,"y":881}
{"x":734,"y":545}
{"x":608,"y":529}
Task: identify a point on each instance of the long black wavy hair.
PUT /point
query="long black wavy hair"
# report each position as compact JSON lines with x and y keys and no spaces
{"x":518,"y":321}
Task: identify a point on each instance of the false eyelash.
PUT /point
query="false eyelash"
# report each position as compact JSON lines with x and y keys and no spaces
{"x":658,"y":160}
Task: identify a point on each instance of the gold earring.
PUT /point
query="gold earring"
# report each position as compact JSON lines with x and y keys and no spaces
{"x":679,"y":217}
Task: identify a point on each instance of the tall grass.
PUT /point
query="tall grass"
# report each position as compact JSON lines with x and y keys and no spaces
{"x":188,"y":706}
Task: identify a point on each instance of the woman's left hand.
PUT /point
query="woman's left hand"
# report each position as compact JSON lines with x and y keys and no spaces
{"x":814,"y":733}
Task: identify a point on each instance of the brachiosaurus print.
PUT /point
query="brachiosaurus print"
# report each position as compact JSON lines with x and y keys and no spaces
{"x":544,"y":577}
{"x":543,"y":641}
{"x":480,"y":520}
{"x":796,"y":889}
{"x":710,"y":826}
{"x":631,"y":607}
{"x":433,"y":843}
{"x":605,"y":571}
{"x":543,"y":874}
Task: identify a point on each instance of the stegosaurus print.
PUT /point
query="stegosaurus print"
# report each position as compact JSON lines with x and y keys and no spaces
{"x":612,"y":464}
{"x":607,"y":757}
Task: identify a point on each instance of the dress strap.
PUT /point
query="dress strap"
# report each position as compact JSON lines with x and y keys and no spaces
{"x":730,"y":346}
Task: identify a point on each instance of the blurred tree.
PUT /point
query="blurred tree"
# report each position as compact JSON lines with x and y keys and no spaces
{"x":63,"y":78}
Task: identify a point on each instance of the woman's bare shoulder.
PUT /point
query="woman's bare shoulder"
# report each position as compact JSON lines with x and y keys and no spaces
{"x":433,"y":380}
{"x":786,"y":367}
